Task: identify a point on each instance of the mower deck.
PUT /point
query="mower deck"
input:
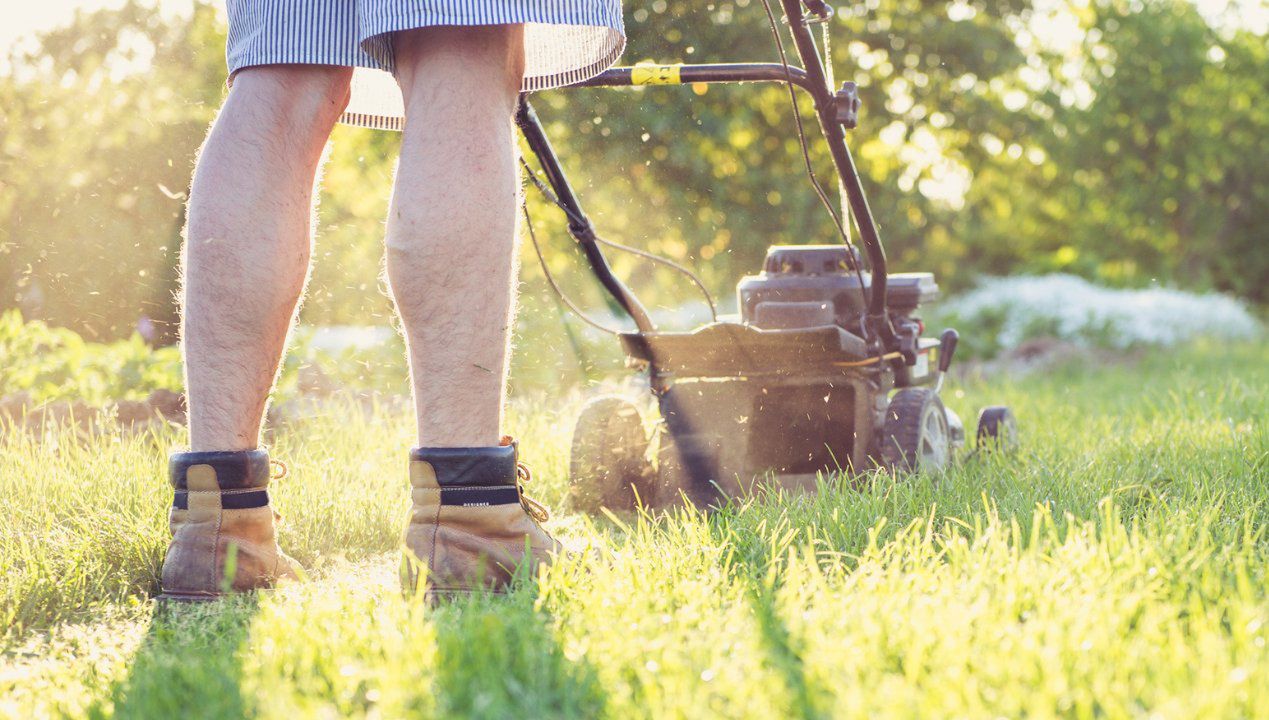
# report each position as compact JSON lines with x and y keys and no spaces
{"x":729,"y":349}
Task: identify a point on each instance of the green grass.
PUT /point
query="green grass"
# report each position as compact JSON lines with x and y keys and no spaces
{"x":1117,"y":566}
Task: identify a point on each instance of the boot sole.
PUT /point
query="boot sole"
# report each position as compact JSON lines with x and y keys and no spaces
{"x":446,"y":595}
{"x":188,"y":598}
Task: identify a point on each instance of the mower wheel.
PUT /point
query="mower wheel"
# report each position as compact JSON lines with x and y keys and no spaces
{"x":916,"y":436}
{"x":609,"y":463}
{"x":997,"y":429}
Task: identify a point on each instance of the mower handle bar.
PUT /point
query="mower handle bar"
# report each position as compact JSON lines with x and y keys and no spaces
{"x":811,"y":78}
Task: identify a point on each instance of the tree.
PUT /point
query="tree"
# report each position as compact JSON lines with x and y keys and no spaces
{"x":1131,"y":153}
{"x":95,"y":157}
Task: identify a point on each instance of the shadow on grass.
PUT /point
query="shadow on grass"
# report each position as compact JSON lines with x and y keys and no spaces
{"x":500,"y":656}
{"x":188,"y":665}
{"x":784,"y":656}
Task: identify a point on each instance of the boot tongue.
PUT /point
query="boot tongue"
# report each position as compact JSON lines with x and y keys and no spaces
{"x":470,"y":467}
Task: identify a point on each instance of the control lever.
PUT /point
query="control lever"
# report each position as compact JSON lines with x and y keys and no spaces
{"x":846,"y":105}
{"x":947,"y":348}
{"x":821,"y":9}
{"x":909,"y":335}
{"x":821,"y":12}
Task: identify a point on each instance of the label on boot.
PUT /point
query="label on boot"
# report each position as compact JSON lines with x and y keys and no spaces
{"x":480,"y":496}
{"x":231,"y":500}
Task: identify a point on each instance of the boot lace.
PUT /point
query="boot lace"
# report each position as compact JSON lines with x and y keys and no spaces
{"x":535,"y":509}
{"x":279,"y":471}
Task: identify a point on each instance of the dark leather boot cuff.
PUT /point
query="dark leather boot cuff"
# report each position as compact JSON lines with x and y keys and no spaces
{"x":470,"y":467}
{"x":240,"y":470}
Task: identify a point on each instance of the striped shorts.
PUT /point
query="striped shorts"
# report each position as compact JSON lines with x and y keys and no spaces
{"x":565,"y":41}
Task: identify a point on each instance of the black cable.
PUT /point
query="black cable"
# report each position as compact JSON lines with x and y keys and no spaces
{"x":575,"y":219}
{"x":797,"y":118}
{"x":713,"y":311}
{"x":550,"y":279}
{"x":806,"y":153}
{"x":549,"y":195}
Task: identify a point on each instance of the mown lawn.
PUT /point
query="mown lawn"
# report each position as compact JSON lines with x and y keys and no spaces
{"x":1117,"y":566}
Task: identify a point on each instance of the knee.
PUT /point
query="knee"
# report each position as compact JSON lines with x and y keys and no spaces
{"x":291,"y":93}
{"x":406,"y":250}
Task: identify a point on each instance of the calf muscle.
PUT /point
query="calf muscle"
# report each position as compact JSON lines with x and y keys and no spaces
{"x":451,"y":240}
{"x":247,"y":244}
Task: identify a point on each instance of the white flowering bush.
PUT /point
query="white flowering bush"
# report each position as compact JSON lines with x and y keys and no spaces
{"x":1001,"y":313}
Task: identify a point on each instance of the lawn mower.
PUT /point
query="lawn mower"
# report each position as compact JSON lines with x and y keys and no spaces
{"x":824,"y":369}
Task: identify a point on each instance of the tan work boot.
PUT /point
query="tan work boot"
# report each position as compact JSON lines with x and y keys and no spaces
{"x":471,"y":525}
{"x":221,"y":520}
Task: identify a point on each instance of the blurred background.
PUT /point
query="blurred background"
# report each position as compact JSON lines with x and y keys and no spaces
{"x":1103,"y":145}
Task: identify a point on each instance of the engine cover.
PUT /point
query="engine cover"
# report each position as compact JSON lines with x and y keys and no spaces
{"x":803,"y":285}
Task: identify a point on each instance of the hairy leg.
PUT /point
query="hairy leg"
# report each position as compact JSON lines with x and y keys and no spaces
{"x":451,"y":240}
{"x":247,"y":243}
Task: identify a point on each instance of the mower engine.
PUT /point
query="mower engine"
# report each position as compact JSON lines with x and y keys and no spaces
{"x":811,"y":285}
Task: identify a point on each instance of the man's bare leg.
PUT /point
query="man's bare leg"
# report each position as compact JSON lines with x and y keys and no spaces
{"x":451,"y":263}
{"x":248,"y":243}
{"x":452,"y":225}
{"x":246,"y":258}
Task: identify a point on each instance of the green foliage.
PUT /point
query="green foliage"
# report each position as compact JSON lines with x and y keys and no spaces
{"x":57,"y":364}
{"x":1130,"y":153}
{"x":1160,"y":175}
{"x":46,"y":364}
{"x":94,"y":162}
{"x":1116,"y":566}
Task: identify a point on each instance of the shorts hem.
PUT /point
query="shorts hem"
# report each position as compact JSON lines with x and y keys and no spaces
{"x":600,"y":32}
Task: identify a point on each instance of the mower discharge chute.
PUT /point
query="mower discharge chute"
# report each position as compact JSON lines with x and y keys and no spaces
{"x":825,"y":367}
